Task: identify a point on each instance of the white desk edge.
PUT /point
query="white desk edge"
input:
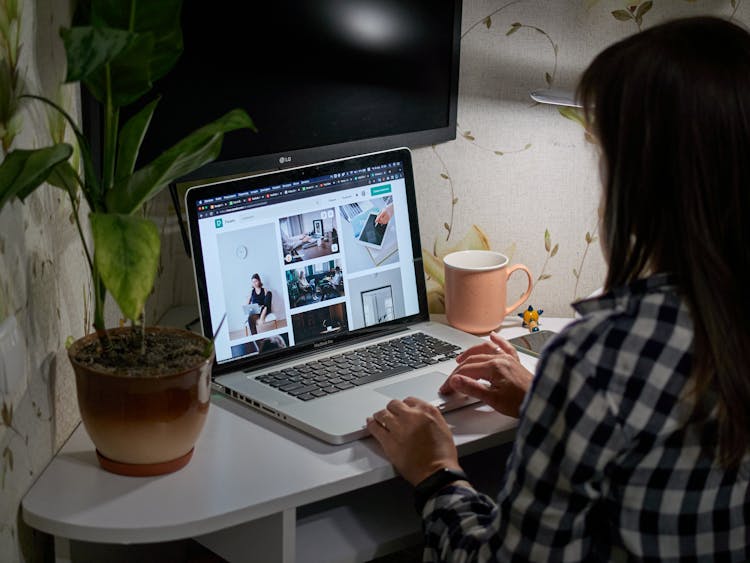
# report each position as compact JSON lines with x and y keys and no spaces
{"x":235,"y":475}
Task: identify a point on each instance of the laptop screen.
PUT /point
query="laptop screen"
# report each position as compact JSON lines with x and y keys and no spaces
{"x":308,"y":257}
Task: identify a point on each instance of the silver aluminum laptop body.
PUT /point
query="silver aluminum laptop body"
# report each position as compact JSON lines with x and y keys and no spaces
{"x":270,"y":225}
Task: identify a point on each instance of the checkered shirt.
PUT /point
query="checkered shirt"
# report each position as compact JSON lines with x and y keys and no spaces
{"x":604,"y":467}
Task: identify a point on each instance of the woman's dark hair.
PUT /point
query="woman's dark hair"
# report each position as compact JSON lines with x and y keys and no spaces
{"x":257,"y":277}
{"x":670,"y":108}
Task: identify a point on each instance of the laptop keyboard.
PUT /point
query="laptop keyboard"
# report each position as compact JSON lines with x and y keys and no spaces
{"x":357,"y":367}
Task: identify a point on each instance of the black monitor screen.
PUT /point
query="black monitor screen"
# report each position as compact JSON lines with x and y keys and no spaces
{"x":312,"y":73}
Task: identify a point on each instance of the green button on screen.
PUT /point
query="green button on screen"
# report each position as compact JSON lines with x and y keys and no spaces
{"x":380,"y":190}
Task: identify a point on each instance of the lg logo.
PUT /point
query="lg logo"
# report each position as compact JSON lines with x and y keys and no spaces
{"x":284,"y":159}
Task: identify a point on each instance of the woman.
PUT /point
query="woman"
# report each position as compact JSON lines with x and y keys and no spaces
{"x":633,"y":436}
{"x":305,"y":286}
{"x":257,"y":303}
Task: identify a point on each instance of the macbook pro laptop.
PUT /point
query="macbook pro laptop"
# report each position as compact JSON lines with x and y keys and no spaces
{"x":312,"y":326}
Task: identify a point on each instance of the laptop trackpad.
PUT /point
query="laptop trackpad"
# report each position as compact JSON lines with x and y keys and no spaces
{"x":424,"y":387}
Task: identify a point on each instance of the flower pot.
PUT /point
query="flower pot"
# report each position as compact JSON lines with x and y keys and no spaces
{"x":143,"y":424}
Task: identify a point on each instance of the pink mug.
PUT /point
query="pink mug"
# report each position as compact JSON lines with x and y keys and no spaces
{"x":476,"y":283}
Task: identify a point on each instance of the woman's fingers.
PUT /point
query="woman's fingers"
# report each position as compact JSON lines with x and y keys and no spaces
{"x":472,"y":388}
{"x":483,"y":348}
{"x":503,"y":344}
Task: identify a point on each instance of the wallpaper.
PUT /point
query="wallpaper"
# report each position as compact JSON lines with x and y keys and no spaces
{"x":520,"y":178}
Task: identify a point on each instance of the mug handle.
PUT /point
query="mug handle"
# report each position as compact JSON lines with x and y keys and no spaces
{"x":525,"y":296}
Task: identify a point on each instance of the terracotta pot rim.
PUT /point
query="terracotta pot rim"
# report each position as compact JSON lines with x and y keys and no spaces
{"x":77,"y":344}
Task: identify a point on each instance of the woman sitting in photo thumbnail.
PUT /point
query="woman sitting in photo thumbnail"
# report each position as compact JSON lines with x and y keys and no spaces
{"x":305,"y":287}
{"x":633,"y":440}
{"x":257,"y":302}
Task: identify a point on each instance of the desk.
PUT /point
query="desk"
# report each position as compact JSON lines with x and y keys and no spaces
{"x":255,"y":489}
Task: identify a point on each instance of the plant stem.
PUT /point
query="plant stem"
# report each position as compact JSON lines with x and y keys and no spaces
{"x":78,"y":226}
{"x":111,"y":119}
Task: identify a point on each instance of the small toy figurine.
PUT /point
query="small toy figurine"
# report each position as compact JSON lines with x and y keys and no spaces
{"x":531,"y":318}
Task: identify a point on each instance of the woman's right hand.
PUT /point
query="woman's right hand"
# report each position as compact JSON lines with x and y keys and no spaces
{"x":495,"y":362}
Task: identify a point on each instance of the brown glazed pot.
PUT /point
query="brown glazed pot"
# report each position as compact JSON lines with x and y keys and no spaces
{"x":143,"y":425}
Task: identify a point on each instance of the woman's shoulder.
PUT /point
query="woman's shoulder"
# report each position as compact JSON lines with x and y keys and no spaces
{"x":626,"y":343}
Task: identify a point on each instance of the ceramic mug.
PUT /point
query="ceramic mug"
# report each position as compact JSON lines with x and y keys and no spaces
{"x":476,"y":283}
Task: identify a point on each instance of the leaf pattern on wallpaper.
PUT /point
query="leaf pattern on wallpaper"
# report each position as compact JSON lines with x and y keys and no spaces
{"x":634,"y":13}
{"x":549,"y":78}
{"x":471,"y":138}
{"x":551,"y":252}
{"x":445,"y":175}
{"x":590,"y":238}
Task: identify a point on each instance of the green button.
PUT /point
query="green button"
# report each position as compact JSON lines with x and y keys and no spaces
{"x":380,"y":190}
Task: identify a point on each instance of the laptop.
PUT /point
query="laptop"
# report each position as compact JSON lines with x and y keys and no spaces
{"x":320,"y":331}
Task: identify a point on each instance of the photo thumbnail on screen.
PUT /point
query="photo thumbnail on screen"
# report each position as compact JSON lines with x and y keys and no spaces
{"x":309,"y":235}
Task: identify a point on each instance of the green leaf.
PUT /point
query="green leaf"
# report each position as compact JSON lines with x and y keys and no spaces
{"x":140,"y":41}
{"x":64,"y":176}
{"x":23,"y":171}
{"x":443,"y":175}
{"x":499,"y":153}
{"x":192,"y":152}
{"x":643,"y":8}
{"x":131,"y":137}
{"x":547,"y":240}
{"x":92,"y":180}
{"x":554,"y":250}
{"x":512,"y":30}
{"x":622,"y":15}
{"x":574,"y":114}
{"x":162,"y":19}
{"x":588,"y":238}
{"x":89,"y":49}
{"x":129,"y":73}
{"x":127,"y":257}
{"x":488,"y":22}
{"x":544,"y":277}
{"x":548,"y":78}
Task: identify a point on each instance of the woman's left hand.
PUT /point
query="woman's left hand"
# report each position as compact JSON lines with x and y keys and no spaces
{"x":415,"y":437}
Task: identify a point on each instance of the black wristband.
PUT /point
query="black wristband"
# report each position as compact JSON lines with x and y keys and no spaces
{"x":432,"y":484}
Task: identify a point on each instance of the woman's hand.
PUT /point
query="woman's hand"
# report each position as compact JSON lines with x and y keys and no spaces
{"x":385,"y":215}
{"x":415,"y":437}
{"x":497,"y":362}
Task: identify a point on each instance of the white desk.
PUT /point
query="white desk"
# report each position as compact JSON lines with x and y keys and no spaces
{"x":255,"y":489}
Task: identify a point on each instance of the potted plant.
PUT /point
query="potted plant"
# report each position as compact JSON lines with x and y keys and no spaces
{"x":143,"y":392}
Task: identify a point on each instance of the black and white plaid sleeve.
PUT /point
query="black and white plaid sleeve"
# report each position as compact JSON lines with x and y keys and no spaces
{"x":567,"y":438}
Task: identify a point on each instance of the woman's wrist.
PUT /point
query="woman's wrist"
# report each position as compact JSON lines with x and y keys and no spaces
{"x":435,"y":482}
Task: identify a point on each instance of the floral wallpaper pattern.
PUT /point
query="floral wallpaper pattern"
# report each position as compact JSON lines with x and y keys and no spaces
{"x":520,"y":178}
{"x":520,"y":158}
